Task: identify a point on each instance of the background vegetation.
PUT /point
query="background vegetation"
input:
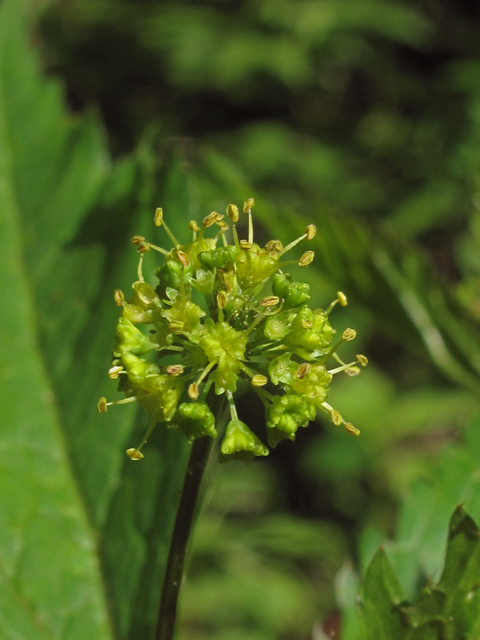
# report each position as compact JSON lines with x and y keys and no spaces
{"x":361,"y":117}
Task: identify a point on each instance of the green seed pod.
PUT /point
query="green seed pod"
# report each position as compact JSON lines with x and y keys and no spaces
{"x":240,"y":443}
{"x":131,"y":340}
{"x":195,"y":420}
{"x":218,"y":258}
{"x":286,"y":414}
{"x":293,"y":293}
{"x":314,"y":385}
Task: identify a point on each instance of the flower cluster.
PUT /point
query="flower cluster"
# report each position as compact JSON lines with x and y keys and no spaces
{"x":208,"y":323}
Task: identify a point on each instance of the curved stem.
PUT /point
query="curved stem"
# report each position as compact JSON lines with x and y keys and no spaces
{"x":172,"y":581}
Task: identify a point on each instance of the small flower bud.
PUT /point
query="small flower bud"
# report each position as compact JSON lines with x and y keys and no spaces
{"x":134,"y":454}
{"x":361,"y":359}
{"x":211,"y":219}
{"x":348,"y":335}
{"x":248,"y":205}
{"x":114,"y":372}
{"x":174,"y":370}
{"x":259,"y":381}
{"x":193,"y":226}
{"x":270,"y":301}
{"x":184,"y":259}
{"x":118,"y":297}
{"x":158,"y":219}
{"x":303,"y":370}
{"x":193,"y":391}
{"x":244,"y":244}
{"x":306,"y":259}
{"x":349,"y":427}
{"x":311,"y":231}
{"x":352,"y":371}
{"x":102,"y":405}
{"x":342,"y":298}
{"x":336,"y":418}
{"x":232,"y":212}
{"x":137,"y":239}
{"x":222,"y":299}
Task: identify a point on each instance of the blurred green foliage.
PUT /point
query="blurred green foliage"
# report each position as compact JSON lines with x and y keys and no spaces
{"x":361,"y":117}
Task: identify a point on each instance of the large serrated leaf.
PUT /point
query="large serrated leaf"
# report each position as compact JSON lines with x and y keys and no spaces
{"x":49,"y":573}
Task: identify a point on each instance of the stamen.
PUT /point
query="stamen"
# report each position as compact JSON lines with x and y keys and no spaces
{"x":137,"y":239}
{"x":245,"y":244}
{"x":232,"y":212}
{"x":362,"y":360}
{"x":134,"y":454}
{"x":211,"y":219}
{"x":206,"y":371}
{"x":159,"y":222}
{"x":259,"y":380}
{"x":303,"y":370}
{"x":348,"y":335}
{"x":352,"y":371}
{"x":114,"y":372}
{"x":308,"y":235}
{"x":270,"y":301}
{"x":159,"y":249}
{"x":193,"y":391}
{"x":247,"y":208}
{"x":193,"y":226}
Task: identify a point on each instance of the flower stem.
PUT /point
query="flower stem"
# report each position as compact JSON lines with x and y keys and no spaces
{"x":182,"y":528}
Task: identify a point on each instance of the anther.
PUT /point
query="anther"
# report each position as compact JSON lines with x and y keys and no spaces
{"x":362,"y":360}
{"x":114,"y":372}
{"x":232,"y":213}
{"x":352,"y":371}
{"x":336,"y":418}
{"x":158,"y":219}
{"x":137,"y":239}
{"x":342,"y":298}
{"x":193,"y":391}
{"x":350,"y":428}
{"x":244,"y":244}
{"x":307,"y":324}
{"x":102,"y":405}
{"x":211,"y":219}
{"x":270,"y":301}
{"x":311,"y":231}
{"x":248,"y":205}
{"x":303,"y":370}
{"x":193,"y":226}
{"x":222,"y":299}
{"x":118,"y":297}
{"x":184,"y":259}
{"x":306,"y":259}
{"x":135,"y":454}
{"x":348,"y":335}
{"x":143,"y":247}
{"x":174,"y":370}
{"x":258,"y":380}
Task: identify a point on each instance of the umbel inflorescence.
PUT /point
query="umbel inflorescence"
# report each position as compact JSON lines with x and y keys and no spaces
{"x":221,"y":312}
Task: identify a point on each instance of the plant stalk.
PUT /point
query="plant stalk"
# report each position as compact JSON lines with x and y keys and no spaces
{"x":172,"y":581}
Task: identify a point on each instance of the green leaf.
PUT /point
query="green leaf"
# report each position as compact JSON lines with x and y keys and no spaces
{"x":49,"y":572}
{"x":73,"y":505}
{"x":380,"y":600}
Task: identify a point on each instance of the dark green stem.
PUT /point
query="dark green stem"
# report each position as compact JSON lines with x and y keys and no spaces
{"x":172,"y":581}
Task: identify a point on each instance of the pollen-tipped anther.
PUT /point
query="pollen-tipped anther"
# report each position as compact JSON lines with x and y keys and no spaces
{"x":118,"y":297}
{"x":193,"y":391}
{"x":233,"y":213}
{"x":306,"y":259}
{"x":348,"y":335}
{"x":102,"y":405}
{"x":310,"y":232}
{"x":174,"y":370}
{"x":303,"y":370}
{"x":258,"y":380}
{"x":270,"y":301}
{"x":362,"y":360}
{"x":134,"y":454}
{"x":158,"y":219}
{"x":351,"y":429}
